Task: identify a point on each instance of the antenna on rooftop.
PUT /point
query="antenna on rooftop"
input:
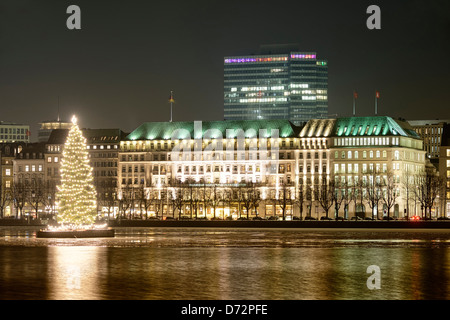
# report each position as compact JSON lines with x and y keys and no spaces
{"x":58,"y":119}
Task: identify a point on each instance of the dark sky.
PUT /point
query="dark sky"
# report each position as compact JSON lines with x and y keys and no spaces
{"x":118,"y":70}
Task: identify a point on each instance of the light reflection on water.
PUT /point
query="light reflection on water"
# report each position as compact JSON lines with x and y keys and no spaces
{"x":184,"y":263}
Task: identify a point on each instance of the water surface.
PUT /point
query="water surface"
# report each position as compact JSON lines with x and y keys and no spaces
{"x":203,"y":263}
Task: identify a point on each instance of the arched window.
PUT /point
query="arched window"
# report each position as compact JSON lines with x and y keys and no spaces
{"x":349,"y":155}
{"x":397,"y":155}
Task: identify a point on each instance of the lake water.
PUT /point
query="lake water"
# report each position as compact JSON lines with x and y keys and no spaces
{"x":223,"y":264}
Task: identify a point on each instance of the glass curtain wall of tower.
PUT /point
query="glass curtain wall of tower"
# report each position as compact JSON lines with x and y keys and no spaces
{"x":291,"y":86}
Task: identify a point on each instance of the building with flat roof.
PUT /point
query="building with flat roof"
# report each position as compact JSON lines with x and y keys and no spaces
{"x":431,"y":133}
{"x":48,"y":126}
{"x":13,"y":132}
{"x":279,"y":82}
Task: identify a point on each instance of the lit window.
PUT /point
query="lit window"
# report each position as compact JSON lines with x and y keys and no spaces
{"x":55,"y":159}
{"x":7,"y":172}
{"x":49,"y":159}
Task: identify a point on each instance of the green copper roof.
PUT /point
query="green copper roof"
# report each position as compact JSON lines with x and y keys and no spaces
{"x":211,"y":129}
{"x":372,"y":126}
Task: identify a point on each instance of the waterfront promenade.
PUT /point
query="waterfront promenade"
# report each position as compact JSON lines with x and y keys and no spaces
{"x":203,"y":223}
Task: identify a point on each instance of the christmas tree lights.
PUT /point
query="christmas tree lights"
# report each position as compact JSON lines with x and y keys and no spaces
{"x":76,"y":195}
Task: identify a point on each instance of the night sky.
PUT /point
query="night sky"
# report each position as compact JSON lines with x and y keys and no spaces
{"x":118,"y":70}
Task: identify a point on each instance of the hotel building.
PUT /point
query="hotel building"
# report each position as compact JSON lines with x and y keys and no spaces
{"x":286,"y":164}
{"x":375,"y":149}
{"x":278,"y":83}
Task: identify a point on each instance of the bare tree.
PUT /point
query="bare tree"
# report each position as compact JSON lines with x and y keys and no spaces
{"x":372,"y":188}
{"x":126,"y":200}
{"x":50,"y":197}
{"x":36,"y":195}
{"x":176,"y":196}
{"x":389,"y":191}
{"x":428,"y":187}
{"x":250,"y":197}
{"x":256,"y":196}
{"x":107,"y":195}
{"x":213,"y":198}
{"x":19,"y":193}
{"x":300,"y":198}
{"x":284,"y":198}
{"x":339,"y":195}
{"x":408,"y":186}
{"x":325,"y":194}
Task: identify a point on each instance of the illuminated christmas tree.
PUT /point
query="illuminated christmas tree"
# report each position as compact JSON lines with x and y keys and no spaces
{"x":76,"y":195}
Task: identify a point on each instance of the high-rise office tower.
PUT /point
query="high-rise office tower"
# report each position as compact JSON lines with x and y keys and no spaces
{"x":278,"y":83}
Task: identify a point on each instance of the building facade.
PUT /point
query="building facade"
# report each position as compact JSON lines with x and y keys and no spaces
{"x":376,"y":159}
{"x":431,"y":133}
{"x":290,"y":168}
{"x":276,"y":84}
{"x":48,"y":126}
{"x":8,"y":152}
{"x":236,"y":169}
{"x":30,"y":188}
{"x":13,"y":132}
{"x":444,"y":168}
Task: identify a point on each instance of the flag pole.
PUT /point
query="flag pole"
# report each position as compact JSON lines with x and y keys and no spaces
{"x":355,"y":95}
{"x":377,"y":95}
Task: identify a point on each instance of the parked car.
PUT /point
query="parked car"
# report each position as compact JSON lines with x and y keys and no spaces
{"x":389,"y":218}
{"x":257,"y":218}
{"x":326,"y":218}
{"x":310,"y":218}
{"x":356,"y":218}
{"x":443,"y":218}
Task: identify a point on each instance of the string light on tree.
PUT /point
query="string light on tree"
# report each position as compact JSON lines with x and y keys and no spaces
{"x":76,"y":195}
